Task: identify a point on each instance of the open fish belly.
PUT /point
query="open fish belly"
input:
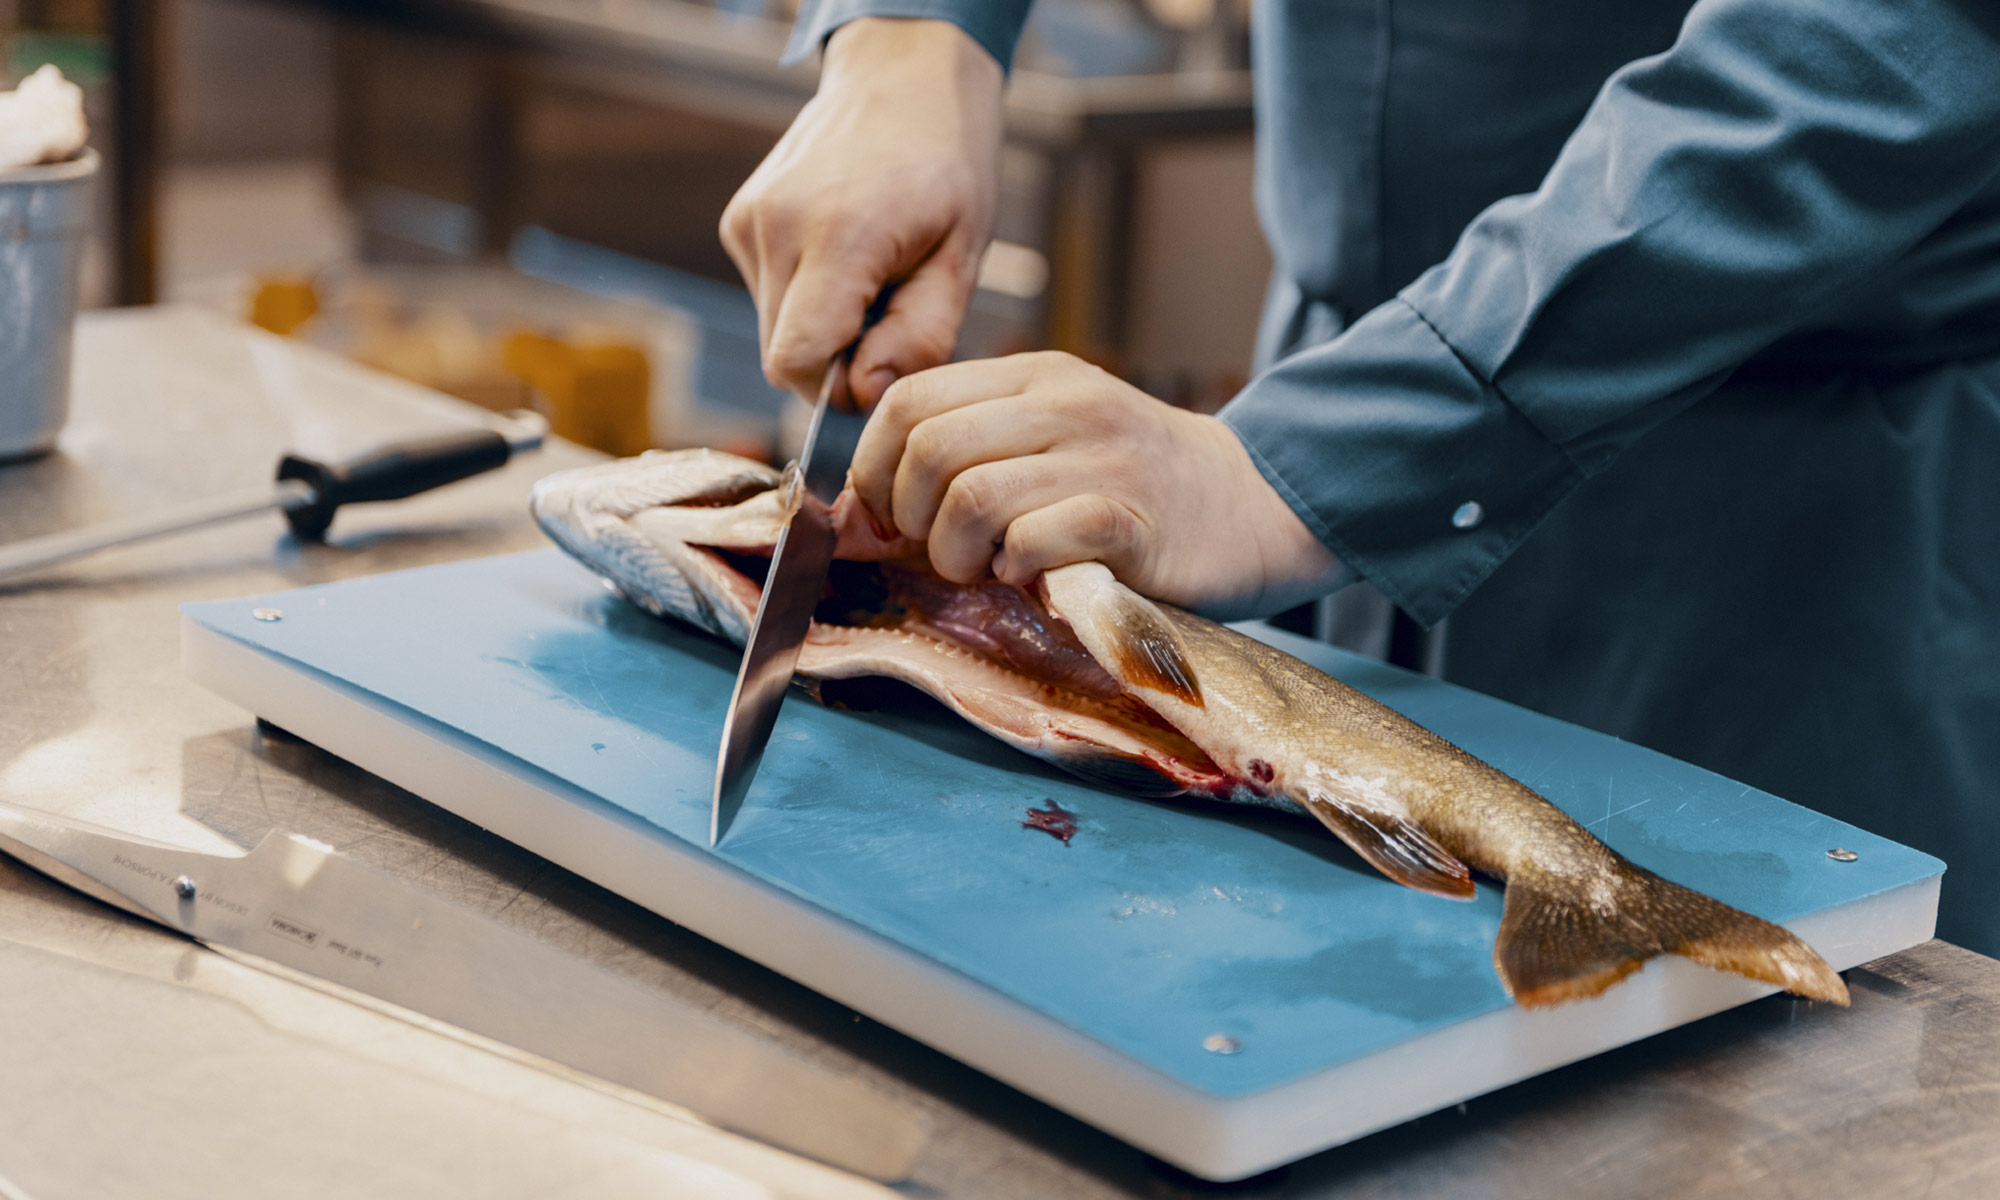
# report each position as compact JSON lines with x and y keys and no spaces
{"x":1119,"y":689}
{"x":1107,"y":741}
{"x":687,"y":534}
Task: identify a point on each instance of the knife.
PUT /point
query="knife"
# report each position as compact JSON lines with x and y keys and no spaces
{"x":297,"y":908}
{"x":307,"y":491}
{"x":792,"y":590}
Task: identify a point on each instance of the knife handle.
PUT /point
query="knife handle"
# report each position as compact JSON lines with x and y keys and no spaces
{"x":840,"y":394}
{"x":394,"y":472}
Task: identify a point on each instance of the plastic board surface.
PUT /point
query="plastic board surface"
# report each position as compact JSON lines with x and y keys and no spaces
{"x":1157,"y":925}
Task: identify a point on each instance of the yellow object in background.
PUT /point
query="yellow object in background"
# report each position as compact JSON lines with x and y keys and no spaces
{"x":594,"y":381}
{"x":282,"y":303}
{"x":596,"y":389}
{"x":534,"y":358}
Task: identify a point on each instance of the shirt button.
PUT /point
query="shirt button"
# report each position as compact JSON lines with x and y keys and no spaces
{"x":1469,"y":515}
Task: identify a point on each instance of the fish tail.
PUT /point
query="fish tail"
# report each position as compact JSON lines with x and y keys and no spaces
{"x":1560,"y":942}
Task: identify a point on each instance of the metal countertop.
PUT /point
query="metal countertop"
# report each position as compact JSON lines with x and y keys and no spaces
{"x":117,"y":1081}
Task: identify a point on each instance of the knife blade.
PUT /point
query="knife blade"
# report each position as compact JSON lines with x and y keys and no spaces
{"x":792,"y":589}
{"x":298,"y":908}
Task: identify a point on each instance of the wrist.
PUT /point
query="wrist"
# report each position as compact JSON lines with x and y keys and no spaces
{"x":1292,"y":565}
{"x":1299,"y":567}
{"x":877,"y":52}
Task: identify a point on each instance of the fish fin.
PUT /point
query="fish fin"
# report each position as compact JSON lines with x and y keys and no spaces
{"x":1149,"y":651}
{"x":1133,"y":773}
{"x":1555,"y":947}
{"x":1393,"y":844}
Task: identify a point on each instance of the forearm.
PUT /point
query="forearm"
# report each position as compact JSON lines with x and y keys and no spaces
{"x":1715,"y":199}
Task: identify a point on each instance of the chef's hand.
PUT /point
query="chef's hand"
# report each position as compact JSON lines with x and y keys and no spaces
{"x":1030,"y":462}
{"x":887,"y":176}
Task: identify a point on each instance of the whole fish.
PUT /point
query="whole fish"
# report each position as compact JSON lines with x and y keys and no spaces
{"x":1123,"y":690}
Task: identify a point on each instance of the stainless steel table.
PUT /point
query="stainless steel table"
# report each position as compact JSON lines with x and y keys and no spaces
{"x":131,"y":1061}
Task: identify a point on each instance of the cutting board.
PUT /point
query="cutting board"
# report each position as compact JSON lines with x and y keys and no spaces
{"x":1224,"y":988}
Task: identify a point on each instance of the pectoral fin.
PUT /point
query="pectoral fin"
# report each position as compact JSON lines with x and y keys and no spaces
{"x":1150,"y":654}
{"x":1128,"y":634}
{"x":1393,"y":844}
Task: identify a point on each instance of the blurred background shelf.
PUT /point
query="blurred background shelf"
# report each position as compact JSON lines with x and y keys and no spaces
{"x":254,"y":141}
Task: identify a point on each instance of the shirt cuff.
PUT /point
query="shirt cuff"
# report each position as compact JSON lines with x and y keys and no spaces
{"x":994,"y":24}
{"x":1411,"y":468}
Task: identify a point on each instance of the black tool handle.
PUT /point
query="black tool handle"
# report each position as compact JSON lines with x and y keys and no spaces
{"x":391,"y":473}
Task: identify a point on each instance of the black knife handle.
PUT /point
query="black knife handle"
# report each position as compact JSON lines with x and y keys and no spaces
{"x":391,"y":473}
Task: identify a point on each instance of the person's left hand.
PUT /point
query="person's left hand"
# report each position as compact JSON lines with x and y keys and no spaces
{"x":1022,"y":464}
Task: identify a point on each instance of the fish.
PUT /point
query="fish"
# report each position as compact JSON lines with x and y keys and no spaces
{"x":1135,"y":694}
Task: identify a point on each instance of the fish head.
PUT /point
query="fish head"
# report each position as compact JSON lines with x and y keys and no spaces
{"x":672,"y":531}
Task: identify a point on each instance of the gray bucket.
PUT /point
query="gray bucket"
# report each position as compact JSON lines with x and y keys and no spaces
{"x":44,"y":214}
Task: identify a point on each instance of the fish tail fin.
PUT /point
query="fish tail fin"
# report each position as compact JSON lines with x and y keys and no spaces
{"x":1560,"y":942}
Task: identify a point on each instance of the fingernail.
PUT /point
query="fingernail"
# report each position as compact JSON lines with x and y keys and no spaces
{"x":1000,"y":565}
{"x":879,"y":380}
{"x":882,"y":532}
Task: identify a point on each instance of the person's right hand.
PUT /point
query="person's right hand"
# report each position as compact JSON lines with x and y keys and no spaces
{"x":887,"y":177}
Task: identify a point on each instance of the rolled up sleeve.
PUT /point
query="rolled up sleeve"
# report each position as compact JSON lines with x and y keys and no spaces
{"x":994,"y":24}
{"x":1715,"y":199}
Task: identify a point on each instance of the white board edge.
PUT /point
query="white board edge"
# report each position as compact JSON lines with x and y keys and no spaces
{"x":1218,"y":1138}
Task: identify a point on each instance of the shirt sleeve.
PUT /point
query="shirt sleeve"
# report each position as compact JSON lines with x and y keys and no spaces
{"x":1714,"y":199}
{"x":994,"y":24}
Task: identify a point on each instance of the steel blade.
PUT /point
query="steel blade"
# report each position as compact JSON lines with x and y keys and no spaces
{"x":792,"y":590}
{"x":313,"y":912}
{"x":32,"y":554}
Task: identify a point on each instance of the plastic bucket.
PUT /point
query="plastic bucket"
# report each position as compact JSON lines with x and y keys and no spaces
{"x":44,"y":215}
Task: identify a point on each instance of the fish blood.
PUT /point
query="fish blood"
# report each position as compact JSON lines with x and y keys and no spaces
{"x":1056,"y":821}
{"x":1133,"y":694}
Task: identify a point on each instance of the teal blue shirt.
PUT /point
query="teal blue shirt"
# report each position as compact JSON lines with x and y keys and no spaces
{"x":1662,"y":349}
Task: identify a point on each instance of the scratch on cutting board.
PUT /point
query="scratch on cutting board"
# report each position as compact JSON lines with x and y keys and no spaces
{"x":1621,"y":812}
{"x":603,"y":704}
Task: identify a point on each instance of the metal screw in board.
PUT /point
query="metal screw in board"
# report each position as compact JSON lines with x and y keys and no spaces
{"x":184,"y":888}
{"x":268,"y":614}
{"x":1221,"y":1043}
{"x":1842,"y":855}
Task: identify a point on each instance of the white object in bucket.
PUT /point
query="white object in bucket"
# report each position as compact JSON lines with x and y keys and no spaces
{"x":42,"y":120}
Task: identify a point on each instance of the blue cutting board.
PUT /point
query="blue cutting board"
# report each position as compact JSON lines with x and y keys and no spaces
{"x":1157,"y":926}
